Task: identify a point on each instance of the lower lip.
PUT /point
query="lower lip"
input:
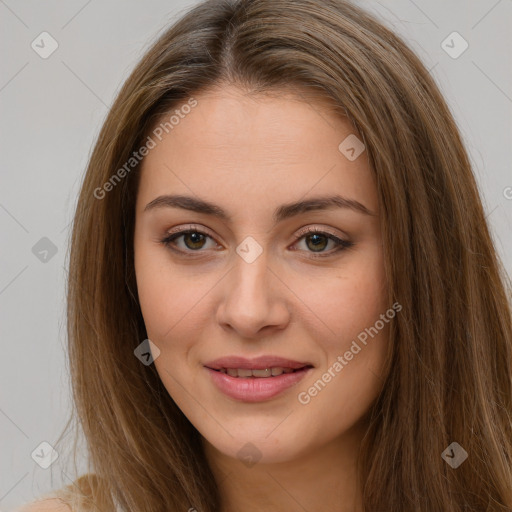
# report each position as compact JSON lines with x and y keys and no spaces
{"x":255,"y":389}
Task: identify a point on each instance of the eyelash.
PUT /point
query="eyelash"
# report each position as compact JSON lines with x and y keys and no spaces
{"x":341,"y":244}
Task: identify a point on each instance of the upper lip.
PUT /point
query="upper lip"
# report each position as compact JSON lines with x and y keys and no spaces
{"x":258,"y":363}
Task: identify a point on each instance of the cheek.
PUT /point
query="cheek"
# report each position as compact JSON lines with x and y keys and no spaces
{"x":350,"y":300}
{"x":153,"y":295}
{"x":163,"y":297}
{"x":165,"y":294}
{"x":349,"y":304}
{"x":166,"y":306}
{"x":355,"y":349}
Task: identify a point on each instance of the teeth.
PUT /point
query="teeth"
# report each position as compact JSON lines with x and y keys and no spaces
{"x":245,"y":373}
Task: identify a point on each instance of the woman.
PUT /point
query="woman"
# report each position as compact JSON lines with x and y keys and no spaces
{"x":283,"y":294}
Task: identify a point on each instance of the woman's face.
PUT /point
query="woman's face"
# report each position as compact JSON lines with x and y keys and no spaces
{"x":248,"y":281}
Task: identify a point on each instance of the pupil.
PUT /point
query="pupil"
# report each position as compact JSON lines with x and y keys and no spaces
{"x":317,"y":240}
{"x":196,"y":239}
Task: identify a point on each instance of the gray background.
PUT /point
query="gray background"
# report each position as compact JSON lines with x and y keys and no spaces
{"x":51,"y":111}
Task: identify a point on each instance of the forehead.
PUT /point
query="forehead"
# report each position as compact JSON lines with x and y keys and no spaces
{"x":262,"y":145}
{"x":231,"y":117}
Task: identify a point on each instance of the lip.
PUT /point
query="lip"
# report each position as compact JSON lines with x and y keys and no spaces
{"x":258,"y":363}
{"x":254,"y":389}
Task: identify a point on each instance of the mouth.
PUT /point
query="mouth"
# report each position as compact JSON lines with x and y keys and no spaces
{"x":256,"y":380}
{"x":257,"y":373}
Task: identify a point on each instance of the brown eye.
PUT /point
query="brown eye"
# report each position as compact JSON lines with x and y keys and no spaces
{"x":193,"y":240}
{"x":318,"y":242}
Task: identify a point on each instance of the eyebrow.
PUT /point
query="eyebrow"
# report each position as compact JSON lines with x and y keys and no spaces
{"x":281,"y":213}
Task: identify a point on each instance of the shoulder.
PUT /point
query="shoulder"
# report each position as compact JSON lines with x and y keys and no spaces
{"x":85,"y":494}
{"x":45,"y":505}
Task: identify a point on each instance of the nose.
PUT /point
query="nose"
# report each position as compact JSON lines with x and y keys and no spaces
{"x":254,"y":300}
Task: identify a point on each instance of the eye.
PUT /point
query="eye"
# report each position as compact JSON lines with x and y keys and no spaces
{"x":193,"y":240}
{"x":316,"y":241}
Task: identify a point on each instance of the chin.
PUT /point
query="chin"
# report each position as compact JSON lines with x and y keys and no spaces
{"x":256,"y":447}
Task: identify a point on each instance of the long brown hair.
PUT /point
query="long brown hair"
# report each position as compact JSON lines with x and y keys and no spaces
{"x":449,"y":372}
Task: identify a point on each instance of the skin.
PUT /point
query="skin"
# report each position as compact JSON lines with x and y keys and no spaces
{"x":249,"y":155}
